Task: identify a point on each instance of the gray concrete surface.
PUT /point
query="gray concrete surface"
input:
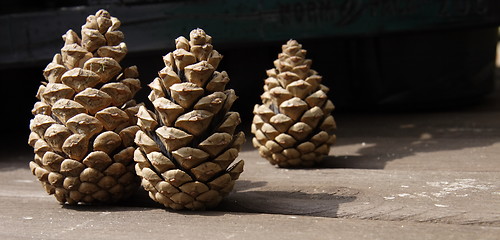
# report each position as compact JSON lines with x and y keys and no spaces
{"x":423,"y":175}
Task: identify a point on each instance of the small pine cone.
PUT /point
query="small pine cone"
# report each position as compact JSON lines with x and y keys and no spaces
{"x":188,"y":144}
{"x":293,"y":127}
{"x":84,"y":123}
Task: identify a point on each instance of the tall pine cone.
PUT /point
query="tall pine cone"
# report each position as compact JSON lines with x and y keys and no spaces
{"x":293,"y":126}
{"x":84,"y":125}
{"x":187,"y":145}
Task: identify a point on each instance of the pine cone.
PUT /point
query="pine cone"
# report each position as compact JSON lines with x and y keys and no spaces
{"x":84,"y":125}
{"x":187,"y":145}
{"x":293,"y":127}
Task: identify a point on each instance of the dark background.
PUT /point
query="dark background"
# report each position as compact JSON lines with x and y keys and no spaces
{"x":401,"y":71}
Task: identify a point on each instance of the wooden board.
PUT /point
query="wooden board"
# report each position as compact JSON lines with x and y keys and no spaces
{"x":35,"y":36}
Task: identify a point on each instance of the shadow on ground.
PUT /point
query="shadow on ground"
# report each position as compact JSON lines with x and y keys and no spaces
{"x":140,"y":201}
{"x":248,"y":197}
{"x":257,"y":197}
{"x":370,"y":144}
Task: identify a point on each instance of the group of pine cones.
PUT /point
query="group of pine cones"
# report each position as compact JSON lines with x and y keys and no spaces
{"x":94,"y":143}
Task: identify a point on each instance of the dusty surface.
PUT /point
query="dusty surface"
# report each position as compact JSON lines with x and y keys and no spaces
{"x":322,"y":203}
{"x":425,"y":175}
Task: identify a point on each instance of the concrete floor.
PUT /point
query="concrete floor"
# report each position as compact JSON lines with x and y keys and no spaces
{"x":424,"y":175}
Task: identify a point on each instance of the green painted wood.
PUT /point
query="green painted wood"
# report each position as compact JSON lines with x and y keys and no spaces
{"x":35,"y":36}
{"x":269,"y":20}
